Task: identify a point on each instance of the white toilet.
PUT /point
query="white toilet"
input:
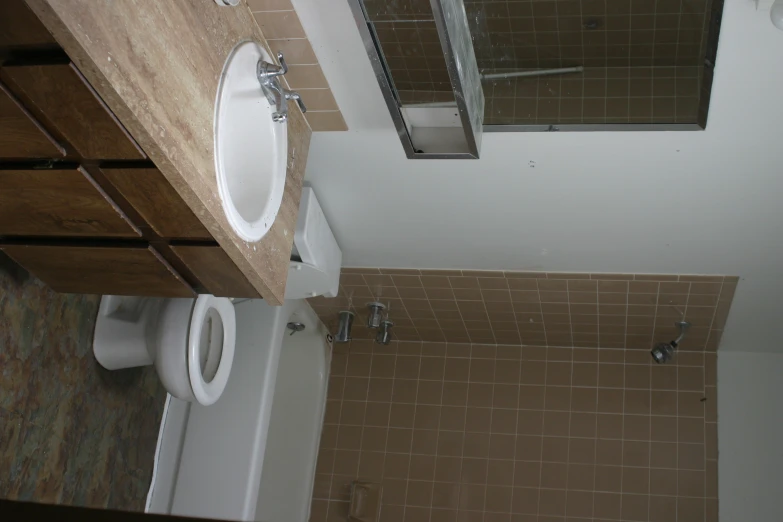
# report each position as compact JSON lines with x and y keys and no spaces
{"x":190,"y":341}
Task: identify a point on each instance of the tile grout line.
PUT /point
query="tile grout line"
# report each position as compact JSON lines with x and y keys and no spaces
{"x":565,"y":411}
{"x":606,"y":72}
{"x":655,"y":321}
{"x":459,"y":311}
{"x":649,"y":400}
{"x":575,"y":489}
{"x":684,"y":318}
{"x":514,"y":312}
{"x":437,"y":430}
{"x":570,"y":415}
{"x":649,"y":445}
{"x":597,"y":384}
{"x":677,"y":55}
{"x":512,"y":81}
{"x":489,"y":438}
{"x":622,"y":443}
{"x":462,"y":450}
{"x":555,"y":437}
{"x":434,"y":315}
{"x":595,"y":449}
{"x":708,"y":478}
{"x":413,"y":427}
{"x":516,"y":430}
{"x":652,"y":74}
{"x":559,"y":45}
{"x":543,"y":413}
{"x":570,"y":394}
{"x":388,"y":423}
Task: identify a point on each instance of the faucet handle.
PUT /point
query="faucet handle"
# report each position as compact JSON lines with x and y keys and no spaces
{"x":293,"y":95}
{"x":267,"y":71}
{"x":283,"y":65}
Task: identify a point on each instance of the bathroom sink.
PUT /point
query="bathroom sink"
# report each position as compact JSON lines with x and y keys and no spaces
{"x":250,"y":149}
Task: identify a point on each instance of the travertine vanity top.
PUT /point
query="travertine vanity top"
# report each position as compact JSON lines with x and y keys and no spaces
{"x":157,"y":65}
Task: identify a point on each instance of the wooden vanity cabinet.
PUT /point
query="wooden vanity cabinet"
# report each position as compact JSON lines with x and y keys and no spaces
{"x":62,"y":202}
{"x":21,"y":136}
{"x":214,"y":269}
{"x":67,"y":204}
{"x":62,"y":95}
{"x":81,"y":205}
{"x":20,"y":28}
{"x":117,"y":270}
{"x":153,"y":197}
{"x":201,"y":259}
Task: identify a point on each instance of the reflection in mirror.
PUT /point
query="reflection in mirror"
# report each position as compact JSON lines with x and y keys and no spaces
{"x":626,"y":61}
{"x":431,"y":72}
{"x":412,"y":51}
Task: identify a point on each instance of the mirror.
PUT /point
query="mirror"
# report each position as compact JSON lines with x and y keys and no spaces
{"x":554,"y":65}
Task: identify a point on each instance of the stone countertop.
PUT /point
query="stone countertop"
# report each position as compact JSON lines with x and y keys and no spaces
{"x":157,"y":65}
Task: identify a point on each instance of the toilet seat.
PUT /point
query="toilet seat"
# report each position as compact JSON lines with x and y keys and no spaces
{"x":207,"y":393}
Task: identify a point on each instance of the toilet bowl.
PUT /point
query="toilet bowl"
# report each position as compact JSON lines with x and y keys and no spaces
{"x":189,"y":341}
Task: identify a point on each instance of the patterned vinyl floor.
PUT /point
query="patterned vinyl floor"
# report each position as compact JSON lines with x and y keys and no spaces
{"x":70,"y":431}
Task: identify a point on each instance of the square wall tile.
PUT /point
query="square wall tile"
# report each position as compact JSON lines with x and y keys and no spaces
{"x":483,"y":431}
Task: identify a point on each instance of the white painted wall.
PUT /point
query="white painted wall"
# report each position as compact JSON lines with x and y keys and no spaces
{"x":680,"y":202}
{"x":750,"y":437}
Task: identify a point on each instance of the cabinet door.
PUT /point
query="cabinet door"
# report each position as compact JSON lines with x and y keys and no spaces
{"x":20,"y":28}
{"x":56,"y":202}
{"x":158,"y":203}
{"x":21,"y":136}
{"x":71,"y":105}
{"x":101,"y":270}
{"x":215,"y":270}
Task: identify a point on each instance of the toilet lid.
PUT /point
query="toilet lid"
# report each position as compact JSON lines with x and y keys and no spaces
{"x":207,"y":393}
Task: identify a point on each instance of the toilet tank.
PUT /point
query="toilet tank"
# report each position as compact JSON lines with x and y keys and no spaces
{"x":316,"y":258}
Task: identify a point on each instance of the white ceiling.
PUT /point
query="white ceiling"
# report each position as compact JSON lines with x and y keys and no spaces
{"x":665,"y":202}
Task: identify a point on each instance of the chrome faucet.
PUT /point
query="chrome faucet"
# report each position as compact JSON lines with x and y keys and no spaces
{"x":268,"y":76}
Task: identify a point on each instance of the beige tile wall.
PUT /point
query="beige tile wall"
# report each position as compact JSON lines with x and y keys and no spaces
{"x":501,"y":433}
{"x":284,"y":32}
{"x":537,"y":308}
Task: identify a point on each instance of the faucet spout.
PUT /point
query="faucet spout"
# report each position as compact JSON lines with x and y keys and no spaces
{"x":280,"y":101}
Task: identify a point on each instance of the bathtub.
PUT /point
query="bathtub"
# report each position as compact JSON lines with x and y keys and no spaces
{"x":250,"y":456}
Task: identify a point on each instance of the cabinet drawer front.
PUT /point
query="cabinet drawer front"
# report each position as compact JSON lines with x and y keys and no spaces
{"x":72,"y":106}
{"x":101,"y":270}
{"x":150,"y":193}
{"x":215,"y":271}
{"x":21,"y":136}
{"x":20,"y":28}
{"x":58,"y":203}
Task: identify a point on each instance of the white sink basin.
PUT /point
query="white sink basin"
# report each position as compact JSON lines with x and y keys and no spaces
{"x":250,"y":149}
